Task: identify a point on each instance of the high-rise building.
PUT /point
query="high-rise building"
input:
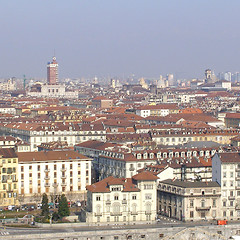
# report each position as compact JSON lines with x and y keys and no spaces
{"x":52,"y":72}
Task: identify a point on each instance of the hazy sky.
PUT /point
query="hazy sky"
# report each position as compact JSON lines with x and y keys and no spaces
{"x":119,"y":37}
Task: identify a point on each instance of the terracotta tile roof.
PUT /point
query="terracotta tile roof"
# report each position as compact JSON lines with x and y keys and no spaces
{"x":229,"y":157}
{"x":8,"y":153}
{"x":145,"y":176}
{"x":160,"y":106}
{"x":103,"y":186}
{"x":50,"y":156}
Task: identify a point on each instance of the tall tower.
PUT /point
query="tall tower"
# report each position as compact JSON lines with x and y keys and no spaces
{"x":52,"y":72}
{"x":208,"y":76}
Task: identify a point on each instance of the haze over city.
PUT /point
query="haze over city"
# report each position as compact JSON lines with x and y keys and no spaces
{"x":119,"y":38}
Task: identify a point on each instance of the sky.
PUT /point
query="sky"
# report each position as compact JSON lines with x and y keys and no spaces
{"x":117,"y":38}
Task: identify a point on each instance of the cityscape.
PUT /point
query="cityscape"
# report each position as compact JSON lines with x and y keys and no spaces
{"x":101,"y":147}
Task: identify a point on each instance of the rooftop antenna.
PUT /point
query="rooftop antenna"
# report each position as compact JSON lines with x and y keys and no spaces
{"x":24,"y":81}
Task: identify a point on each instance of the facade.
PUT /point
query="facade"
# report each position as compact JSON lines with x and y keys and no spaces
{"x":52,"y":72}
{"x":182,"y":137}
{"x":53,"y":173}
{"x":189,"y":201}
{"x":226,"y":171}
{"x":122,"y":200}
{"x":53,"y":91}
{"x":9,"y":177}
{"x":157,"y":110}
{"x":37,"y":133}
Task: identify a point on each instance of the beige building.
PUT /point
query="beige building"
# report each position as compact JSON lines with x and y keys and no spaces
{"x":226,"y":171}
{"x":189,"y":201}
{"x":54,"y":173}
{"x":9,"y":177}
{"x":129,"y":200}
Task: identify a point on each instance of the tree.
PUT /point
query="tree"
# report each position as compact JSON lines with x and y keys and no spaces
{"x":63,"y":208}
{"x":45,"y":209}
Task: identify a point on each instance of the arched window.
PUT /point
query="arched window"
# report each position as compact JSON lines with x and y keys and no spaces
{"x":148,"y":207}
{"x":134,"y":208}
{"x":116,"y":208}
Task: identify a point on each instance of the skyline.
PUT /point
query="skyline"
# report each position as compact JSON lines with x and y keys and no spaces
{"x":119,"y":38}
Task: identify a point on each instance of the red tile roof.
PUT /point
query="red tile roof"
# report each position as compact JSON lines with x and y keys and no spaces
{"x":145,"y":176}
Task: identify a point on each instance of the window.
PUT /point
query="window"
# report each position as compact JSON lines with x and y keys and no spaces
{"x":98,"y":198}
{"x":148,"y":186}
{"x":148,"y":196}
{"x":214,"y":203}
{"x":191,"y":203}
{"x":134,"y":197}
{"x":38,"y":167}
{"x":116,"y":197}
{"x":231,"y":174}
{"x":224,"y":174}
{"x":191,"y":214}
{"x":55,"y":167}
{"x":22,"y":168}
{"x":224,"y":203}
{"x":202,"y":203}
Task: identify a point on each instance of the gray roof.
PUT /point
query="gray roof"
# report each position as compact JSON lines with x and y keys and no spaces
{"x":188,"y":184}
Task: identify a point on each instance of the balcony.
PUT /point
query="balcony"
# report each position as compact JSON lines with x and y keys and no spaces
{"x":237,"y":169}
{"x":231,"y":198}
{"x":134,"y":213}
{"x":237,"y":178}
{"x":46,"y":170}
{"x":98,"y":214}
{"x":116,"y":214}
{"x":64,"y":176}
{"x":108,"y":202}
{"x":124,"y":201}
{"x":203,"y":208}
{"x":237,"y":187}
{"x":131,"y":169}
{"x":4,"y":180}
{"x":46,"y":177}
{"x":147,"y":213}
{"x":63,"y":169}
{"x":55,"y":185}
{"x":64,"y":184}
{"x":47,"y":185}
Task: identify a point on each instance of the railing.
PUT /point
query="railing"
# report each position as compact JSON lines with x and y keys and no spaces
{"x":203,"y":208}
{"x":98,"y":214}
{"x":147,"y":213}
{"x":124,"y":201}
{"x":134,"y":213}
{"x":108,"y":202}
{"x":46,"y":170}
{"x":46,"y":177}
{"x":63,"y":176}
{"x":63,"y":169}
{"x":116,"y":214}
{"x":231,"y":198}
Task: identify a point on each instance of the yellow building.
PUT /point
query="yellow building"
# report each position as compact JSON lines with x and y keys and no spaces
{"x":9,"y":178}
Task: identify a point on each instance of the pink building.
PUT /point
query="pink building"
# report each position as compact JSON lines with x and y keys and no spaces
{"x":52,"y":72}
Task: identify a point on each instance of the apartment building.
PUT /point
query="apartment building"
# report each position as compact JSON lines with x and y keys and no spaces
{"x":181,"y":137}
{"x":54,"y":173}
{"x":157,"y":110}
{"x":125,"y":200}
{"x":9,"y":177}
{"x":37,"y":133}
{"x":226,"y":171}
{"x":189,"y":201}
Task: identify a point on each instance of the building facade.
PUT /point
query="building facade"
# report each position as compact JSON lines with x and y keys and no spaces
{"x":122,"y":200}
{"x":53,"y":173}
{"x":226,"y":171}
{"x":52,"y":72}
{"x":189,"y":201}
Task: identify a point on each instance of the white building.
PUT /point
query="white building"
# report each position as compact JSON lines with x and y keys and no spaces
{"x":37,"y":133}
{"x":53,"y":91}
{"x":226,"y":171}
{"x":54,"y":173}
{"x":122,"y":200}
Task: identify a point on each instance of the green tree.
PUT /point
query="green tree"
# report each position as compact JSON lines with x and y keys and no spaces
{"x":45,"y":209}
{"x":63,"y":208}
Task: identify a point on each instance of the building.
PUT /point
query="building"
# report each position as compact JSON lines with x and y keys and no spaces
{"x":125,"y":200}
{"x":189,"y":201}
{"x":226,"y":172}
{"x":9,"y":177}
{"x":52,"y":72}
{"x":157,"y":110}
{"x":53,"y":173}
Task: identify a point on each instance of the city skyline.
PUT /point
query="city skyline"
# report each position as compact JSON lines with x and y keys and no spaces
{"x":119,"y":38}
